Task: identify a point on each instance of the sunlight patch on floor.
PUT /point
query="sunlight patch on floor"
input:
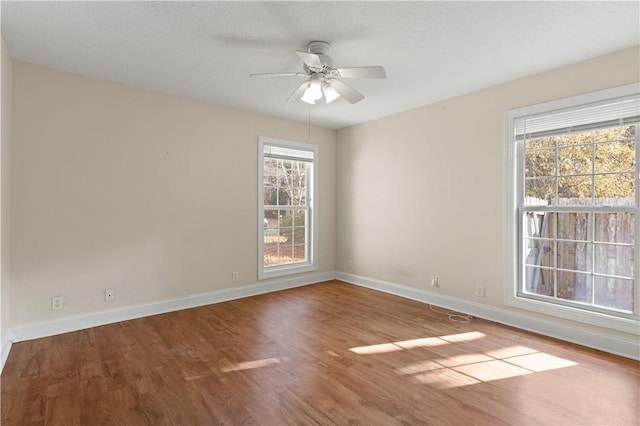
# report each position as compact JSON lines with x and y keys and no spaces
{"x":463,"y":359}
{"x":420,"y":367}
{"x":510,"y":351}
{"x":467,"y":368}
{"x":417,"y":343}
{"x":249,"y":365}
{"x":478,"y":368}
{"x":445,"y":378}
{"x":491,"y":370}
{"x":376,"y":349}
{"x":463,"y":337}
{"x":541,"y":362}
{"x":421,"y":343}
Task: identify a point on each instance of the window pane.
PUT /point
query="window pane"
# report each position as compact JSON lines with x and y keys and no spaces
{"x":614,"y":259}
{"x":303,"y":186}
{"x":299,"y":235}
{"x":300,"y":218}
{"x":281,"y":234}
{"x":574,"y":256}
{"x":538,"y":143}
{"x":286,"y":234}
{"x":270,"y":254}
{"x":574,"y":190}
{"x":270,"y":182}
{"x":272,"y":238}
{"x":614,"y":133}
{"x":539,"y":224}
{"x":615,"y":189}
{"x":299,"y":253}
{"x":285,"y":255}
{"x":296,"y":180}
{"x":574,"y":138}
{"x":540,"y":163}
{"x":538,"y":281}
{"x":286,"y":184}
{"x":573,"y":226}
{"x":615,"y":227}
{"x":541,"y":190}
{"x":614,"y":293}
{"x":283,"y":172}
{"x":287,"y":228}
{"x":538,"y":252}
{"x":574,"y":286}
{"x":615,"y":157}
{"x":271,"y":217}
{"x":575,"y":160}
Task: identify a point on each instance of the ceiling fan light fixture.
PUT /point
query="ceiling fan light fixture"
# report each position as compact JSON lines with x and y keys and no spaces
{"x":313,"y":92}
{"x":330,"y":93}
{"x":323,"y":79}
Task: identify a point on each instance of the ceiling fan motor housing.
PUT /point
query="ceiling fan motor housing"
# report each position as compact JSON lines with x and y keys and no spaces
{"x":321,"y":48}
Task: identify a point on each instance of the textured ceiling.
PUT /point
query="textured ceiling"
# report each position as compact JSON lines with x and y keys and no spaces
{"x":206,"y":50}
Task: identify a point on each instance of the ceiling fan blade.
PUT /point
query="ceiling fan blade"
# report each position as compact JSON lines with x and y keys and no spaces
{"x":311,"y":59}
{"x":295,"y":97}
{"x":362,"y":72}
{"x":347,"y":92}
{"x":278,"y":74}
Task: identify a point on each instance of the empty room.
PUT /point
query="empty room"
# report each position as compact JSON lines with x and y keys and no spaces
{"x":319,"y":212}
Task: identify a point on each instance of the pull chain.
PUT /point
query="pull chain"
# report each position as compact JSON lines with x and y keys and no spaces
{"x":309,"y":135}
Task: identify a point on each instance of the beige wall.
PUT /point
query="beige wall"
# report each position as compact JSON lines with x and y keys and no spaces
{"x":153,"y":195}
{"x":156,"y":195}
{"x":422,"y":193}
{"x":6,"y":89}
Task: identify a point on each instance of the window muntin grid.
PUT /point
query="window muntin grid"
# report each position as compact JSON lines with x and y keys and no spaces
{"x":577,"y":216}
{"x":286,"y":219}
{"x":580,"y":168}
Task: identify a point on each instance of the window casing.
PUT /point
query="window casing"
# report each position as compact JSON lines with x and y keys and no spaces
{"x":572,"y":208}
{"x":287,"y":221}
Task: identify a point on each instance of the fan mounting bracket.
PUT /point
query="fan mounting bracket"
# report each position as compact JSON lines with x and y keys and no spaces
{"x":318,"y":47}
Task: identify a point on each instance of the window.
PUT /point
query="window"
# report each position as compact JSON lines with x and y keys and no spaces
{"x":574,"y":208}
{"x":287,"y":219}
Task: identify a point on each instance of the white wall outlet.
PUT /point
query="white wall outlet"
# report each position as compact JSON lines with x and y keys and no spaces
{"x":434,"y":281}
{"x":479,"y":290}
{"x":110,"y":295}
{"x":56,"y":303}
{"x":350,"y":264}
{"x":235,"y":277}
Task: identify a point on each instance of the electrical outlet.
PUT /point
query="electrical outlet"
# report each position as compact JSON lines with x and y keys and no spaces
{"x":479,"y":290}
{"x":56,"y":303}
{"x":434,"y":281}
{"x":350,"y":264}
{"x":110,"y":295}
{"x":235,"y":277}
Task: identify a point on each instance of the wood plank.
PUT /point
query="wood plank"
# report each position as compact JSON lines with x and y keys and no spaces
{"x":329,"y":353}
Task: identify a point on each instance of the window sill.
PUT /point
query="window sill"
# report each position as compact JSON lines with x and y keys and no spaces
{"x":279,"y":271}
{"x":612,"y":322}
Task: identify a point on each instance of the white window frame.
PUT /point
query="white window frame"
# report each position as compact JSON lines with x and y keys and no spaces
{"x":266,"y":272}
{"x":513,"y":174}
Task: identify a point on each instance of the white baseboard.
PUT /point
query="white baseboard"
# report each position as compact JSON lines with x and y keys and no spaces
{"x":629,"y":348}
{"x":7,"y":341}
{"x":94,"y":319}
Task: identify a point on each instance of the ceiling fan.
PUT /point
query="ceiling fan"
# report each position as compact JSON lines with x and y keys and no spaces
{"x":323,"y":80}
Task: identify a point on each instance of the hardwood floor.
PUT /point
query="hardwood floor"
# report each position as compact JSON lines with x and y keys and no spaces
{"x":329,"y":353}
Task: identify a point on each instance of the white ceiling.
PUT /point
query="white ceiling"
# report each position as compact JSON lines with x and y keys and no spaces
{"x":206,"y":50}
